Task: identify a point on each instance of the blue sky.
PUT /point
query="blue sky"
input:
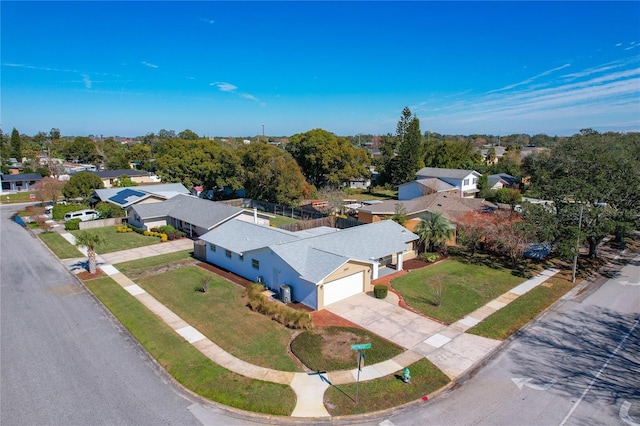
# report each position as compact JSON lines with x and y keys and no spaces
{"x":228,"y":68}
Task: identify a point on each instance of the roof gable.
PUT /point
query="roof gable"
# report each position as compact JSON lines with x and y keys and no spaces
{"x":436,"y":172}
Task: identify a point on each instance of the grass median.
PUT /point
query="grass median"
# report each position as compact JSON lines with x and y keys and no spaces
{"x":61,"y":247}
{"x":185,"y":363}
{"x":506,"y":321}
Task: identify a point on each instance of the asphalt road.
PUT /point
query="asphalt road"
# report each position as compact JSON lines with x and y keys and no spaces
{"x":65,"y":361}
{"x":578,"y":365}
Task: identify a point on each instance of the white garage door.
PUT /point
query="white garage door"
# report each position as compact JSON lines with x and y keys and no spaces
{"x":343,"y":288}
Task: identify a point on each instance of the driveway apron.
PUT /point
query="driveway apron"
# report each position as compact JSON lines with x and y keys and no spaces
{"x":398,"y":325}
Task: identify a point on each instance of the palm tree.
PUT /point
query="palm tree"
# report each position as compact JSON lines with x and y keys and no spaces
{"x":434,"y":232}
{"x":90,"y":240}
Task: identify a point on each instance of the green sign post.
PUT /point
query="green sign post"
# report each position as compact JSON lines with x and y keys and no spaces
{"x":360,"y":348}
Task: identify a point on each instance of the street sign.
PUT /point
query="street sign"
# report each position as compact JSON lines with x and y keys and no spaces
{"x":361,"y":346}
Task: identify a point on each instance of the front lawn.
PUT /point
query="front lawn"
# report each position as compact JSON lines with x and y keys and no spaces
{"x":116,"y":241}
{"x":506,"y":321}
{"x":464,"y":288}
{"x":134,"y":268}
{"x":385,"y":392}
{"x":185,"y":363}
{"x":329,"y":348}
{"x":221,"y":315}
{"x":61,"y":247}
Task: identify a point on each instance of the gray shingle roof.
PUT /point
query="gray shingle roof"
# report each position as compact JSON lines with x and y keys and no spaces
{"x":448,"y":203}
{"x":314,"y":257}
{"x":20,"y":177}
{"x":187,"y":208}
{"x":166,"y":190}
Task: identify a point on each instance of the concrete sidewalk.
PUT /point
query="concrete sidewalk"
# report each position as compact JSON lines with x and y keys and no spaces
{"x":448,"y":347}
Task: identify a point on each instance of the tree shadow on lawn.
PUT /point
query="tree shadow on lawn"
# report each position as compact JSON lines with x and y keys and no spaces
{"x":524,"y":268}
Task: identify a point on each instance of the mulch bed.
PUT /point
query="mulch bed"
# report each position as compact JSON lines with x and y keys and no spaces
{"x":86,"y":276}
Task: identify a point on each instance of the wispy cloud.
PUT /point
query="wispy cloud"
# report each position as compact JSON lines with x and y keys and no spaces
{"x":531,"y":79}
{"x":586,"y":98}
{"x":87,"y":81}
{"x":223,"y":86}
{"x":149,"y":64}
{"x":208,"y":21}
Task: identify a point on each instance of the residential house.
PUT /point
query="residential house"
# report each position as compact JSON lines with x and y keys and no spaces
{"x":190,"y":214}
{"x":19,"y":182}
{"x":503,"y":180}
{"x":421,"y":187}
{"x":465,"y":180}
{"x":110,"y":178}
{"x":129,"y":196}
{"x":448,"y":203}
{"x":320,"y":266}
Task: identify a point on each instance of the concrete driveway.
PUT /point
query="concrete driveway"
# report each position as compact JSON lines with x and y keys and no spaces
{"x":386,"y":319}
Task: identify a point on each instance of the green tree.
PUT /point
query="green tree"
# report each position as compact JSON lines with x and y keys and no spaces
{"x":434,"y":232}
{"x":82,"y":185}
{"x":81,"y":149}
{"x":90,"y":240}
{"x":272,"y":175}
{"x":400,"y":214}
{"x":16,"y":145}
{"x":596,"y":171}
{"x":401,"y":154}
{"x":188,"y":135}
{"x":124,"y":181}
{"x":54,"y":134}
{"x":327,"y":160}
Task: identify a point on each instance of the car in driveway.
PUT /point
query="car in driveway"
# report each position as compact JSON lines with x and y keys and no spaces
{"x":83,"y":215}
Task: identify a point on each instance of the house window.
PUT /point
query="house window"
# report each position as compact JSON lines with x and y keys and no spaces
{"x":227,"y":253}
{"x":475,"y":181}
{"x":212,"y":247}
{"x":466,"y":182}
{"x":255,"y":263}
{"x":241,"y":256}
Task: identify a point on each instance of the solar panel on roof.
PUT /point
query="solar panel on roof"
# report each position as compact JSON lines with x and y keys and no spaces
{"x":122,"y":196}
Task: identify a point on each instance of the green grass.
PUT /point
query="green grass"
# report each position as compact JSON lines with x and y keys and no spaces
{"x":185,"y":363}
{"x":329,"y":348}
{"x":466,"y":287}
{"x":116,"y":241}
{"x":61,"y":247}
{"x":386,"y":392}
{"x":148,"y":264}
{"x":18,"y":197}
{"x":506,"y":321}
{"x":222,"y":316}
{"x":278,"y":220}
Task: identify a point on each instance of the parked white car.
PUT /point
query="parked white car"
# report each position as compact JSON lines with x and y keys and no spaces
{"x":83,"y":215}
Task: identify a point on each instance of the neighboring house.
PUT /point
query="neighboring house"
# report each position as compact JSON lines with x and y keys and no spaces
{"x":127,"y":197}
{"x":421,"y":187}
{"x":190,"y":214}
{"x":448,"y":203}
{"x":503,"y":180}
{"x":110,"y":178}
{"x":465,"y":180}
{"x":358,"y":183}
{"x":74,"y":168}
{"x":498,"y":151}
{"x":19,"y":182}
{"x":321,"y":266}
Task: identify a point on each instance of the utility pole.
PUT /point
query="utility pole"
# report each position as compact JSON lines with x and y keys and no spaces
{"x":575,"y":256}
{"x":263,"y":132}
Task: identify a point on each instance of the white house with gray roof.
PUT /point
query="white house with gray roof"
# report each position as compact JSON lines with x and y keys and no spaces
{"x":466,"y":181}
{"x":190,"y":214}
{"x":321,"y":267}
